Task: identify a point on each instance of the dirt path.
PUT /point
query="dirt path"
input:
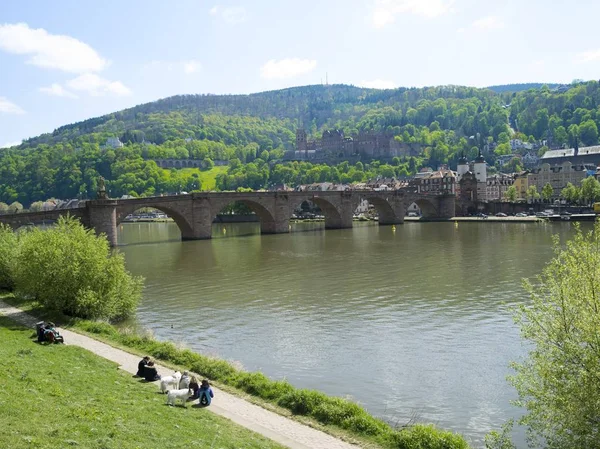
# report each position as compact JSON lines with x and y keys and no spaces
{"x":273,"y":426}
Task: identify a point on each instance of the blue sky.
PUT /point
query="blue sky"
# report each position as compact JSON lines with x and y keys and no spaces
{"x":65,"y":61}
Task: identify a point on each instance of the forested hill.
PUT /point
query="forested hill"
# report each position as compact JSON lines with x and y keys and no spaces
{"x":317,"y":106}
{"x":521,"y":87}
{"x":254,"y":131}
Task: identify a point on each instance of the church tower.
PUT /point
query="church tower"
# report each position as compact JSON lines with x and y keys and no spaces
{"x":480,"y":168}
{"x":462,"y":167}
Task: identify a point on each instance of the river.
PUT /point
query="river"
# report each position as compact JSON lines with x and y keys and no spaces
{"x":411,"y":321}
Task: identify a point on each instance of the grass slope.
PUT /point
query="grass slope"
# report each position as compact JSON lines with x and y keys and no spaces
{"x":207,"y":177}
{"x":63,"y":396}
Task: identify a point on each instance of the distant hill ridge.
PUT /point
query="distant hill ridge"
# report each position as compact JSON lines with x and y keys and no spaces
{"x":519,"y":87}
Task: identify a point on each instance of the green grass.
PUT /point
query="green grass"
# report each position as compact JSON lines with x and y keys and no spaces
{"x":338,"y":416}
{"x":61,"y":396}
{"x":208,"y":177}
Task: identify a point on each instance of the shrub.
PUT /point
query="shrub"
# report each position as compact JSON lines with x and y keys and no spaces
{"x":8,"y":250}
{"x":69,"y":269}
{"x":426,"y":437}
{"x":365,"y":424}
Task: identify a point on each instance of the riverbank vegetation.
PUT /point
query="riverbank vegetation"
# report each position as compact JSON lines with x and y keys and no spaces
{"x":559,"y":383}
{"x":339,"y":413}
{"x":68,"y":268}
{"x":61,"y":396}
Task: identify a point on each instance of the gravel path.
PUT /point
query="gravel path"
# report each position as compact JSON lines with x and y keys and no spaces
{"x":273,"y":426}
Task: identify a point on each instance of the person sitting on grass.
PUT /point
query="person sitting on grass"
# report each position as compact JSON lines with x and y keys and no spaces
{"x":205,"y":394}
{"x":150,"y":373}
{"x":185,"y":380}
{"x":195,"y":387}
{"x":141,"y":365}
{"x":51,"y":335}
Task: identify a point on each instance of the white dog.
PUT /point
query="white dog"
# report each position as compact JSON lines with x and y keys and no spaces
{"x":170,"y":381}
{"x":182,"y":395}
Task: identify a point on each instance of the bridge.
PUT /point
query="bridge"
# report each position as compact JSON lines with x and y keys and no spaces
{"x":194,"y":213}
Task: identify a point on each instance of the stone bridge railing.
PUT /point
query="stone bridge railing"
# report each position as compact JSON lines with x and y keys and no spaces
{"x":194,"y":213}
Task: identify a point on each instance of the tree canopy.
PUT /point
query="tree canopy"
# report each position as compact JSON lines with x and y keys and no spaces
{"x":559,"y":382}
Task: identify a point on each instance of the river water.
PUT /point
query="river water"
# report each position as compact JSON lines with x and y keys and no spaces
{"x":411,"y":321}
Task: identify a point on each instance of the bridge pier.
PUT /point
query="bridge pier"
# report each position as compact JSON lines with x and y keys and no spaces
{"x":199,"y":225}
{"x":447,"y":208}
{"x":343,"y":218}
{"x":396,"y":211}
{"x":280,"y":224}
{"x":103,"y":218}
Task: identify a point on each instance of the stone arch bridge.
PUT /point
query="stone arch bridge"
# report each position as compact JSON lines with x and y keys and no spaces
{"x":194,"y":213}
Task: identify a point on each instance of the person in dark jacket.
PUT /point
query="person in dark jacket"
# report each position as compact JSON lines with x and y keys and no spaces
{"x":141,"y":365}
{"x":150,"y":373}
{"x":195,"y":387}
{"x":205,"y":394}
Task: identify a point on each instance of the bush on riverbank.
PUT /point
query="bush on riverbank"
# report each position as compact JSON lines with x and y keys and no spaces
{"x":324,"y":409}
{"x":8,"y":247}
{"x":68,"y":268}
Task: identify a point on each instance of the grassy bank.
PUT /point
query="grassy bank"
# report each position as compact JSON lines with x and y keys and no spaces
{"x":208,"y":178}
{"x":63,"y":396}
{"x":333,"y":412}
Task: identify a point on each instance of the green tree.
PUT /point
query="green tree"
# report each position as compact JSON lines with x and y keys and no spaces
{"x":36,"y":206}
{"x":70,"y":269}
{"x":588,"y":132}
{"x":532,"y":193}
{"x":8,"y":251}
{"x":590,"y":190}
{"x":547,"y":192}
{"x":511,"y":194}
{"x":570,"y":193}
{"x":15,"y":207}
{"x":559,"y":382}
{"x":208,"y":163}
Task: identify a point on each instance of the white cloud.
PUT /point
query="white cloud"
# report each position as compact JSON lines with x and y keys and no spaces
{"x":588,"y":56}
{"x":191,"y":66}
{"x":378,"y":84}
{"x":385,"y":11}
{"x":186,"y":66}
{"x":230,"y":14}
{"x":51,"y":51}
{"x":488,"y":23}
{"x":97,"y":86}
{"x":57,"y":90}
{"x":287,"y":68}
{"x":8,"y":107}
{"x":10,"y":144}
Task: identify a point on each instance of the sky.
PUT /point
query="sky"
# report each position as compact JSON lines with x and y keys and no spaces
{"x":66,"y":61}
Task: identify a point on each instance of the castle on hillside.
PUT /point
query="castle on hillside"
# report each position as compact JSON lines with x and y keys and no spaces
{"x":333,"y":145}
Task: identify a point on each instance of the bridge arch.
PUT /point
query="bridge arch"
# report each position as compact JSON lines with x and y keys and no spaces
{"x":179,"y":217}
{"x":387,"y":213}
{"x":268,"y":222}
{"x":428,"y":208}
{"x":333,"y":216}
